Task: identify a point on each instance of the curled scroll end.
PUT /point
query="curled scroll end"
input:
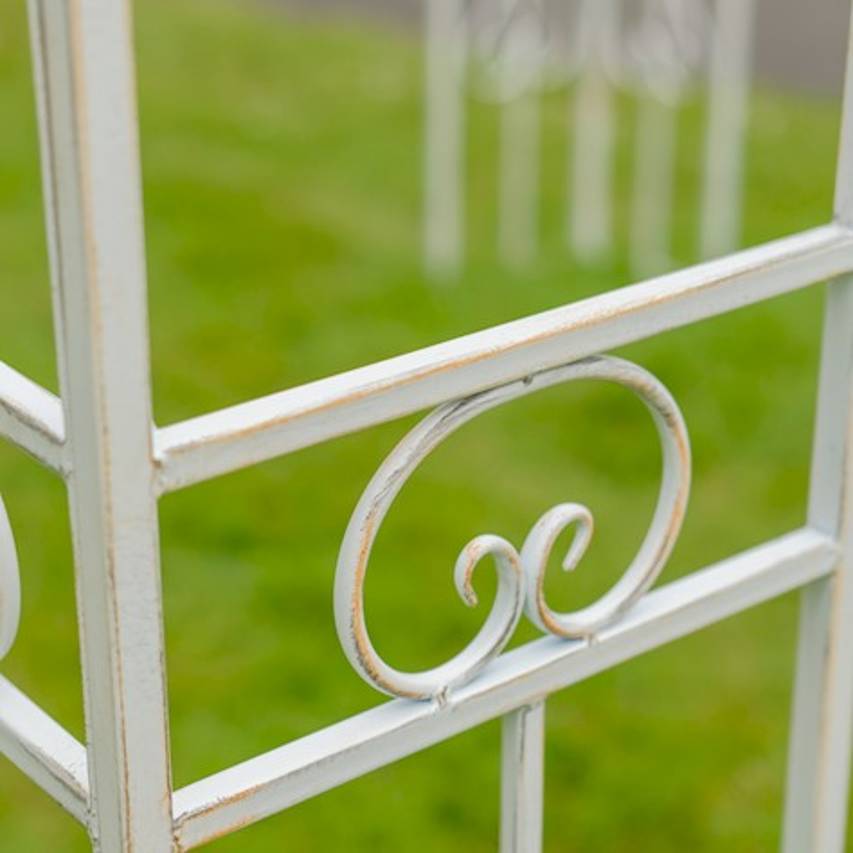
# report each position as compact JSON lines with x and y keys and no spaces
{"x":537,"y":549}
{"x":507,"y":562}
{"x":10,"y":585}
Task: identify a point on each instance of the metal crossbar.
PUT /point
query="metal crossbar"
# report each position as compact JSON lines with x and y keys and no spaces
{"x":100,"y":437}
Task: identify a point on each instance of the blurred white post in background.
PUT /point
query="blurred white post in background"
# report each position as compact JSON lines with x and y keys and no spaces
{"x":728,"y":99}
{"x":652,"y":195}
{"x":444,"y":156}
{"x":656,"y":50}
{"x":590,"y":192}
{"x":666,"y":53}
{"x":520,"y":73}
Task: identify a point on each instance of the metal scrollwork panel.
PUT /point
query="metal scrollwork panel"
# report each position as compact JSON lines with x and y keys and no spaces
{"x":520,"y":574}
{"x":10,"y":585}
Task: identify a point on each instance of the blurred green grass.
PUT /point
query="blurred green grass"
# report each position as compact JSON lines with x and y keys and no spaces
{"x":281,"y":169}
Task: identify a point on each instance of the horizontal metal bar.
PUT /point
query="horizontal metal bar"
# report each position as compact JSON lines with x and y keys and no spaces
{"x":31,"y":417}
{"x":306,"y":767}
{"x":204,"y":447}
{"x":48,"y":754}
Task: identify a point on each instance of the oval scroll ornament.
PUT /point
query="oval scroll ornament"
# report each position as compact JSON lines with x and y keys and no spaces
{"x":10,"y":585}
{"x":520,"y":574}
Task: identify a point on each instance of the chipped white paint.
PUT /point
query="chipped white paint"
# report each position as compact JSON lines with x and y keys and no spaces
{"x":816,"y":801}
{"x":100,"y":437}
{"x":332,"y":756}
{"x":43,"y":750}
{"x":521,"y":575}
{"x":209,"y":445}
{"x":90,"y":164}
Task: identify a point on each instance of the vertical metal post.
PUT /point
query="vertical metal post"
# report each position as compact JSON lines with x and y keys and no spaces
{"x":819,"y":761}
{"x":725,"y":137}
{"x":522,"y":769}
{"x":87,"y":109}
{"x":444,"y":157}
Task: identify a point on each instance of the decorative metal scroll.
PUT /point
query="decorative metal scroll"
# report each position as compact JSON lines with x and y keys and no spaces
{"x":10,"y":585}
{"x":520,"y":573}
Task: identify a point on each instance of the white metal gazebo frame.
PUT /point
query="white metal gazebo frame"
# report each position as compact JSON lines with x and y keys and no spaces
{"x":101,"y":439}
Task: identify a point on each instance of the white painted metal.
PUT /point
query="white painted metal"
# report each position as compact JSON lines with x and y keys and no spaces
{"x":522,"y":765}
{"x":10,"y":585}
{"x":203,"y":447}
{"x":86,"y":91}
{"x":102,"y":440}
{"x":521,"y":576}
{"x":819,"y":761}
{"x":330,"y":757}
{"x":42,"y":749}
{"x":31,"y":418}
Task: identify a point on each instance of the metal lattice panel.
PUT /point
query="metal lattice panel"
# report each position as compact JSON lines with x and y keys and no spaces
{"x":100,"y":437}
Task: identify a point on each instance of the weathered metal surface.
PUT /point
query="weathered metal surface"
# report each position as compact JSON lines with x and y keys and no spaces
{"x":204,"y":447}
{"x":42,"y":749}
{"x":87,"y":109}
{"x":816,"y":803}
{"x":101,"y":438}
{"x":31,"y":418}
{"x":522,"y":782}
{"x":330,"y":757}
{"x":520,"y":575}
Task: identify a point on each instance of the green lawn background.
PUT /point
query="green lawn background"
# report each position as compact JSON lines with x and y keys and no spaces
{"x":281,"y":174}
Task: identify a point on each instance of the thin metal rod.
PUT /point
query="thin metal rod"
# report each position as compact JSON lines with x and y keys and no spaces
{"x":819,"y":759}
{"x":522,"y":778}
{"x":444,"y":154}
{"x":31,"y":417}
{"x":204,"y":447}
{"x":87,"y":108}
{"x":325,"y":759}
{"x":725,"y":136}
